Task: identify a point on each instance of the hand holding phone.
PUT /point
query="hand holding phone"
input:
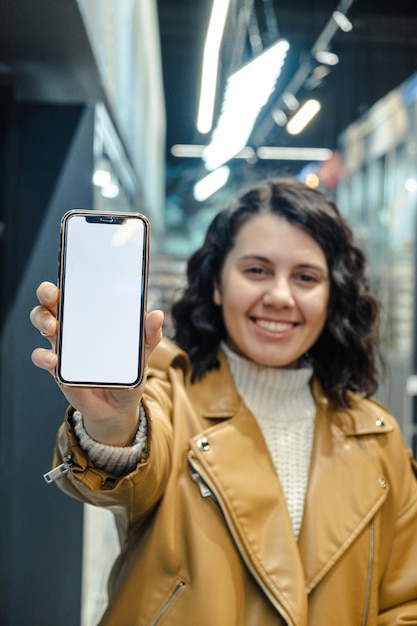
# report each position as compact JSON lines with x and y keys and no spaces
{"x":110,"y":415}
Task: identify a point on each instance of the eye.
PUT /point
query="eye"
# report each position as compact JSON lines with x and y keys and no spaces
{"x":255,"y":270}
{"x":307,"y":278}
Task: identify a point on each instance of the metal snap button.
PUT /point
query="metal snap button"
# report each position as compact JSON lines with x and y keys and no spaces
{"x":379,"y":422}
{"x":203,"y":444}
{"x":382,"y":481}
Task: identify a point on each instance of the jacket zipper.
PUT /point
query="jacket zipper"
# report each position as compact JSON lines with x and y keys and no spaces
{"x":180,"y":586}
{"x":59,"y":471}
{"x":207,"y":491}
{"x":370,"y":563}
{"x":369,"y":576}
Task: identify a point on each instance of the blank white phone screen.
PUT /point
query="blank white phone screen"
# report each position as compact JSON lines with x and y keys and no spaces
{"x":103,"y":301}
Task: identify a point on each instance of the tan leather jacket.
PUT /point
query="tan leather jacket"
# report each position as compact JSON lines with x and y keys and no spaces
{"x":206,"y":536}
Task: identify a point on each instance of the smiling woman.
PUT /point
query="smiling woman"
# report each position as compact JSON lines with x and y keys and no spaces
{"x":254,"y":465}
{"x":302,"y":249}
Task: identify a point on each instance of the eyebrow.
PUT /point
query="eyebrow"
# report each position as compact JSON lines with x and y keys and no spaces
{"x":263,"y":259}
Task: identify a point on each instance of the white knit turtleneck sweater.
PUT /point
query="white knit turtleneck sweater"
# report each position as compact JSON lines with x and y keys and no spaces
{"x":282,"y":403}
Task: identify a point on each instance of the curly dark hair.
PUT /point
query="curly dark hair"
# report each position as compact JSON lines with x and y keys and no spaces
{"x":346,"y":355}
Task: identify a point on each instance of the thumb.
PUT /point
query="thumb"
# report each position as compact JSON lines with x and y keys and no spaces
{"x":153,"y":331}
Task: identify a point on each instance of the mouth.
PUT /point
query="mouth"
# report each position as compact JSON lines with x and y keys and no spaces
{"x":274,"y":327}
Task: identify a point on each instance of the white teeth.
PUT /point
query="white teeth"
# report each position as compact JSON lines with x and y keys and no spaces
{"x":275,"y":327}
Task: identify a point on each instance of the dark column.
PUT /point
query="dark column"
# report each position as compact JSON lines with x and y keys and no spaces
{"x":46,"y":160}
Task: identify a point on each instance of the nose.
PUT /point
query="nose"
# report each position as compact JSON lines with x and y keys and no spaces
{"x":279,"y":293}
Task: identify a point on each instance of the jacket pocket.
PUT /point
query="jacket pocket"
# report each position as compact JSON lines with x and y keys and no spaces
{"x":167,"y":605}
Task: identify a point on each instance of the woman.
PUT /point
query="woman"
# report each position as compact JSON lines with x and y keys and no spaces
{"x":262,"y":486}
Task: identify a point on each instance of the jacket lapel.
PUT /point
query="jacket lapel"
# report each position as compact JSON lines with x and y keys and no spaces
{"x":336,"y":510}
{"x":233,"y":458}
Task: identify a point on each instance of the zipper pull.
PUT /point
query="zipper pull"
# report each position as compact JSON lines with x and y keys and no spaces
{"x":59,"y":471}
{"x":204,"y":488}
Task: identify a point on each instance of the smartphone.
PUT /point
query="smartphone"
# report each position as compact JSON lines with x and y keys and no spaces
{"x":102,"y":276}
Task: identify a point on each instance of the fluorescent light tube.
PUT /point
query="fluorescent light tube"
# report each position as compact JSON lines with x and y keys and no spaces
{"x":211,"y":65}
{"x":303,"y":117}
{"x":211,"y":183}
{"x":294,"y":154}
{"x":195,"y":151}
{"x":185,"y":150}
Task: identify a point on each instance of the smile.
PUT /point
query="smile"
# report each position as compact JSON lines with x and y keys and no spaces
{"x":275,"y":327}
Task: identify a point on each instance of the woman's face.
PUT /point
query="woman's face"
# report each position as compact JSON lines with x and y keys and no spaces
{"x":274,"y":291}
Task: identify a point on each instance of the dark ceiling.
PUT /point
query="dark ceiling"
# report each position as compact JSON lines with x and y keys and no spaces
{"x":45,"y":53}
{"x":378,"y":54}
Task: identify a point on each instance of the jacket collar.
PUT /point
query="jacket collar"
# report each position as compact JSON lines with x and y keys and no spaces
{"x":216,"y":397}
{"x":231,"y":456}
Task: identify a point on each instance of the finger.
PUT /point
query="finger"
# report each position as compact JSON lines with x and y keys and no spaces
{"x":48,"y":294}
{"x":44,"y":359}
{"x":153,"y":326}
{"x":153,"y":330}
{"x":44,"y":321}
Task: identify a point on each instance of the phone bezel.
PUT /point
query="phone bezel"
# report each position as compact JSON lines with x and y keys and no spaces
{"x":104,"y":216}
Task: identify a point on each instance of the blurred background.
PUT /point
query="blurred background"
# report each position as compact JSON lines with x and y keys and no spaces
{"x":169,"y":107}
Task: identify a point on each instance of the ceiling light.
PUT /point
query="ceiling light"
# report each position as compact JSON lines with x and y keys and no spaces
{"x":315,"y":80}
{"x":342,"y":21}
{"x":194,"y":151}
{"x":303,"y":117}
{"x":211,"y":183}
{"x":327,"y":57}
{"x":321,"y":71}
{"x":312,"y":180}
{"x":111,"y":190}
{"x":279,"y":117}
{"x":102,"y":176}
{"x":247,"y":91}
{"x":187,"y":150}
{"x":294,"y":154}
{"x":290,"y":101}
{"x":411,"y":185}
{"x":210,"y":65}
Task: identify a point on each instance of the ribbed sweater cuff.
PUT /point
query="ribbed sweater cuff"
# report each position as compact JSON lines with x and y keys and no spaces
{"x":115,"y":460}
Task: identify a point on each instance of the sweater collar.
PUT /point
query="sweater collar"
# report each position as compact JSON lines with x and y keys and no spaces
{"x":270,"y":392}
